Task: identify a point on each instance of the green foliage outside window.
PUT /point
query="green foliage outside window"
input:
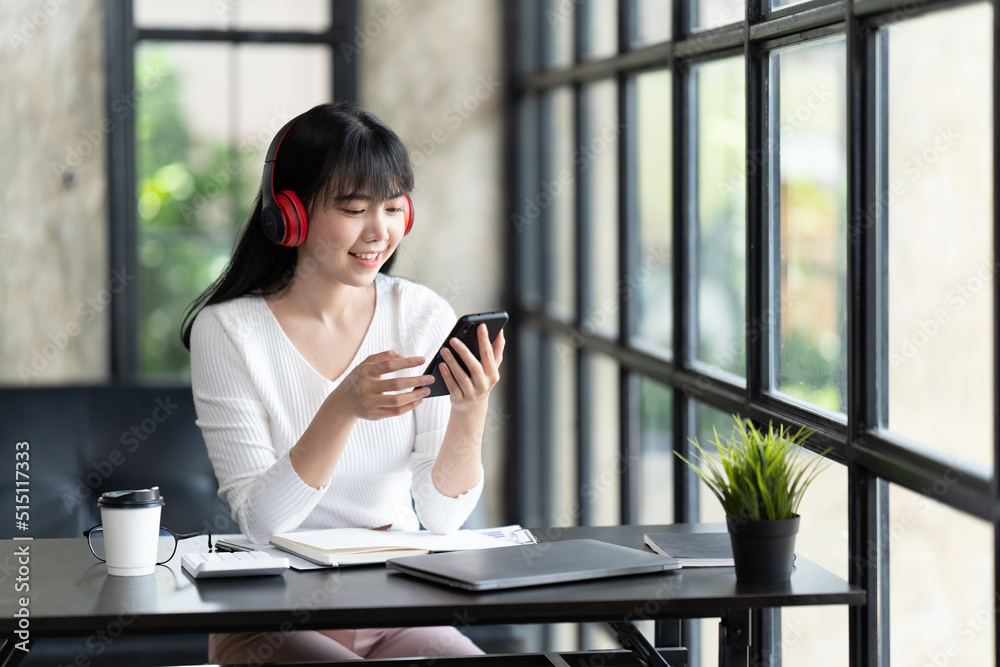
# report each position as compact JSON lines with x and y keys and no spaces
{"x":192,"y":192}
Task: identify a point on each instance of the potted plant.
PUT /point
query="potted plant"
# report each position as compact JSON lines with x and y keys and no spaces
{"x":760,"y":479}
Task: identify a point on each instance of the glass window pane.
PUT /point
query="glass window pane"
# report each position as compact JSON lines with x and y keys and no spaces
{"x":949,"y":618}
{"x":186,"y":212}
{"x":198,"y":172}
{"x":709,"y":421}
{"x":939,"y":197}
{"x":597,"y":160}
{"x":308,"y":15}
{"x":557,"y":33}
{"x":708,"y":14}
{"x":710,"y":511}
{"x":656,"y":455}
{"x":556,"y":201}
{"x":810,"y":199}
{"x":652,"y":21}
{"x":653,"y":280}
{"x":721,"y":261}
{"x":602,"y":29}
{"x":778,"y":4}
{"x":602,"y":492}
{"x":311,"y":15}
{"x":820,"y":635}
{"x":561,"y":478}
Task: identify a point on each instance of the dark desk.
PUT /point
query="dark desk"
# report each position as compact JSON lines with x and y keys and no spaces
{"x":72,"y":595}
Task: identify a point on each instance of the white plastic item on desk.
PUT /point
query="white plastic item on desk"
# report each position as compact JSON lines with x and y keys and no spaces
{"x":236,"y":564}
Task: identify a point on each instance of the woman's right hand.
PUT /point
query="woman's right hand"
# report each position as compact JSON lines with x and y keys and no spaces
{"x":364,"y":394}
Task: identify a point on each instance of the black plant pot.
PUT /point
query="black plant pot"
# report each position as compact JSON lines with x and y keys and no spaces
{"x":763,"y":551}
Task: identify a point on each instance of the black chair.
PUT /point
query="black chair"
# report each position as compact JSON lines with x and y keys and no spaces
{"x":85,"y":440}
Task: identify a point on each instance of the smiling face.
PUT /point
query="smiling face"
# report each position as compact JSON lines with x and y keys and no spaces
{"x":351,"y":237}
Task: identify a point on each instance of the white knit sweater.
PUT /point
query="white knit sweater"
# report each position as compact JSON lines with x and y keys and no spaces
{"x":255,"y":395}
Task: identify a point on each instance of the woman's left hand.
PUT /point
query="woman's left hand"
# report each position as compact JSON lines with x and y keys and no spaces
{"x":473,"y":388}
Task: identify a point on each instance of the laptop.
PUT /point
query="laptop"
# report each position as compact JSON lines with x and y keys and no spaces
{"x":532,"y":564}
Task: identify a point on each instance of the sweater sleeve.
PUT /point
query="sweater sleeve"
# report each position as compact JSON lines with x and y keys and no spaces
{"x":437,"y":512}
{"x":264,"y":493}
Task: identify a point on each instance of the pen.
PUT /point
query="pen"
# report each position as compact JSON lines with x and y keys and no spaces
{"x":223,"y":545}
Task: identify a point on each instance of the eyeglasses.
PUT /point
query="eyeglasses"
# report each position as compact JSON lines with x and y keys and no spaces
{"x":166,"y":545}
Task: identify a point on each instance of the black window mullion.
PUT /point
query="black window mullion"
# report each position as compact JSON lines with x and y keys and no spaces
{"x":628,"y":292}
{"x":343,"y":18}
{"x":583,"y":253}
{"x":758,"y":222}
{"x":867,"y":496}
{"x":121,"y":38}
{"x":684,"y":127}
{"x":876,"y":220}
{"x":545,"y":266}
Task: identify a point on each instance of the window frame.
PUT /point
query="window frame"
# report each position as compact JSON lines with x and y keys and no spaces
{"x":122,"y":39}
{"x":873,"y":456}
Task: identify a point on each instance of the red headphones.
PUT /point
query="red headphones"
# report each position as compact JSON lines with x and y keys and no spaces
{"x":282,"y":215}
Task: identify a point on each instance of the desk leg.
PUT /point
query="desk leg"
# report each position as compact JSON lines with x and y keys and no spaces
{"x":765,"y":647}
{"x":10,"y":656}
{"x":631,"y":639}
{"x":734,"y":639}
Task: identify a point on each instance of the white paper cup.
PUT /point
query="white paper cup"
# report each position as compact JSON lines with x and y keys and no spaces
{"x":131,"y":521}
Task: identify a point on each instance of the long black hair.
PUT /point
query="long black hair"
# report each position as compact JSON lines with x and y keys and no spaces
{"x":333,"y":152}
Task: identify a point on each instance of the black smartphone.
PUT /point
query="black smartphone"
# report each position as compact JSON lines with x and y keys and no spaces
{"x":464,"y":330}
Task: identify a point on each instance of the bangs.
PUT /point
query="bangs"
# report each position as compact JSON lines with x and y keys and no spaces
{"x":368,"y":167}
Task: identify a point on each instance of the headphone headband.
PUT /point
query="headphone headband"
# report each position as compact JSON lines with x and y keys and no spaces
{"x":282,"y":215}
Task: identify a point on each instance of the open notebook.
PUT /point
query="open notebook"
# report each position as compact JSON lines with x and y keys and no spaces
{"x":532,"y":564}
{"x":358,"y":546}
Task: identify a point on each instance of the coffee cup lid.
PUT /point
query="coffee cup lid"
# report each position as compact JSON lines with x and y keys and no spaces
{"x":135,"y":498}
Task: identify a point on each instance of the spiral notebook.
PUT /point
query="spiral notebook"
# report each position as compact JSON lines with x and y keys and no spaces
{"x":693,"y":549}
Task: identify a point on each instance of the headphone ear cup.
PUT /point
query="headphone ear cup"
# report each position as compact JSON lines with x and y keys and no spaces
{"x":296,"y":219}
{"x":273,"y":224}
{"x":407,"y":213}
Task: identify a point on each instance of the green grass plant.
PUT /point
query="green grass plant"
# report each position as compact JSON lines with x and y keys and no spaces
{"x":757,"y":475}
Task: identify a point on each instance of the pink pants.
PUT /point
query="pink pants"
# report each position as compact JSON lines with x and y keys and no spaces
{"x":257,"y":648}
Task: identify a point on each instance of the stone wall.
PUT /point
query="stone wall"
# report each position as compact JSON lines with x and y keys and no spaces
{"x":433,"y":70}
{"x":55,"y":288}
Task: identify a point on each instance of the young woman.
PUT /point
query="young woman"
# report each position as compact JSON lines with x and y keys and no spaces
{"x":306,"y":367}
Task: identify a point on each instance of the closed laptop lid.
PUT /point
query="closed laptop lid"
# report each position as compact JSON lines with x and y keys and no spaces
{"x":532,"y":564}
